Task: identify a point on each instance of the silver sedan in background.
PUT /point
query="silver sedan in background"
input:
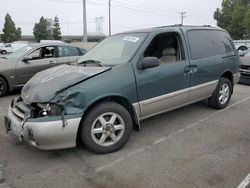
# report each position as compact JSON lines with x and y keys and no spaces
{"x":17,"y":68}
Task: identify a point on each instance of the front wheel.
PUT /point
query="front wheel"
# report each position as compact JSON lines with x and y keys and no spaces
{"x":106,"y":128}
{"x":222,"y":94}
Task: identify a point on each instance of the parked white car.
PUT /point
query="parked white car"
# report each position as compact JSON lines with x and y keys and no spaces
{"x":242,"y":45}
{"x":11,"y":47}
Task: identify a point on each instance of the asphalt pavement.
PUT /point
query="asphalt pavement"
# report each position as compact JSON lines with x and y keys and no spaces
{"x":195,"y":146}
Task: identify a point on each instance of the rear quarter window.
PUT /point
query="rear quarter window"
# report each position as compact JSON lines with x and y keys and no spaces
{"x":207,"y":43}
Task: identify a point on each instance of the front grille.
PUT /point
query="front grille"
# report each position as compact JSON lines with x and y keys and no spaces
{"x":20,"y":109}
{"x":18,"y":113}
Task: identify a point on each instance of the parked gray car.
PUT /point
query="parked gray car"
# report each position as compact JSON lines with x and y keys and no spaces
{"x":17,"y":68}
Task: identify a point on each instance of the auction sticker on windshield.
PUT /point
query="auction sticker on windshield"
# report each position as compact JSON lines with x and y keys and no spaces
{"x":131,"y":38}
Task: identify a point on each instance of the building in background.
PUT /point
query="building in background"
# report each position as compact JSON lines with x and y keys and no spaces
{"x":92,"y":37}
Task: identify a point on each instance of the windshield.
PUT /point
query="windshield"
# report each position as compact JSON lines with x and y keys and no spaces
{"x":19,"y":53}
{"x":116,"y":49}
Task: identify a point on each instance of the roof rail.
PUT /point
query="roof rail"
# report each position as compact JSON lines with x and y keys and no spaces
{"x":168,"y":26}
{"x":180,"y":25}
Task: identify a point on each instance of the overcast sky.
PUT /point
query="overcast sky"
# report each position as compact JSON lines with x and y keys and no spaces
{"x":125,"y":14}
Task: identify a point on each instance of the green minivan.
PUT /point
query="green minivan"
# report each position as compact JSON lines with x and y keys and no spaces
{"x":124,"y":79}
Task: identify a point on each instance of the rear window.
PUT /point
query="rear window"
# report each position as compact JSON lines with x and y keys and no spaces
{"x":207,"y":43}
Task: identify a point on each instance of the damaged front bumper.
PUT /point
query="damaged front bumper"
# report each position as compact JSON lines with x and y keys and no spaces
{"x":46,"y":133}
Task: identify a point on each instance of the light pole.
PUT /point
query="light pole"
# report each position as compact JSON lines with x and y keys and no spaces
{"x":182,"y":16}
{"x":85,"y":37}
{"x":109,"y":17}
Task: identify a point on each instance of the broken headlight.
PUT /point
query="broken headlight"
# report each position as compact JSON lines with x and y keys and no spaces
{"x":49,"y":109}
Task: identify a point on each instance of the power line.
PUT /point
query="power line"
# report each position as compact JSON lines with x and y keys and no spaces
{"x":137,"y":8}
{"x":158,"y":7}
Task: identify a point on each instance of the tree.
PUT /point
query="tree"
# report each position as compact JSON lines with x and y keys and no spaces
{"x":237,"y":27}
{"x":224,"y":15}
{"x":247,"y":22}
{"x":10,"y":32}
{"x":234,"y":16}
{"x":42,"y":29}
{"x":56,"y":30}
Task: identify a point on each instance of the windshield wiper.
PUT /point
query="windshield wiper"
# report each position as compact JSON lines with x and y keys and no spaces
{"x":91,"y":61}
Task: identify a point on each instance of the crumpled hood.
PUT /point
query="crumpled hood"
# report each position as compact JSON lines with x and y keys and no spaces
{"x":43,"y":86}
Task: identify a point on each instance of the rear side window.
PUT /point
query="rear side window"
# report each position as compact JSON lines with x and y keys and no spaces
{"x":207,"y":43}
{"x":224,"y":42}
{"x":66,"y":51}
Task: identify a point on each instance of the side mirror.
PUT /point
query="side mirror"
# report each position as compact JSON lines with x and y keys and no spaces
{"x":27,"y":58}
{"x":148,"y":62}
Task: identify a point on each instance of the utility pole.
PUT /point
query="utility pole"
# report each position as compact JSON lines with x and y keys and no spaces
{"x":109,"y":17}
{"x":183,"y":15}
{"x":85,"y":37}
{"x":99,"y":24}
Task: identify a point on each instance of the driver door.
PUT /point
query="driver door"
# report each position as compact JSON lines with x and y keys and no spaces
{"x":167,"y":86}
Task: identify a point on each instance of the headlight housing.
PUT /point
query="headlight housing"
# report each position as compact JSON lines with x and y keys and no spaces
{"x":48,"y":109}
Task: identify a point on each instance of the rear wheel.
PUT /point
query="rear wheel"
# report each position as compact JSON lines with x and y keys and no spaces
{"x":106,"y":128}
{"x":3,"y":87}
{"x":222,"y":94}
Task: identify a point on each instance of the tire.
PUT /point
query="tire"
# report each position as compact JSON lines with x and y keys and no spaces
{"x":222,"y":94}
{"x":3,"y":87}
{"x":106,"y":128}
{"x":4,"y":52}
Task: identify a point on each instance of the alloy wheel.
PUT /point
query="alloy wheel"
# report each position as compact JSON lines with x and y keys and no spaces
{"x":224,"y":93}
{"x":107,"y":129}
